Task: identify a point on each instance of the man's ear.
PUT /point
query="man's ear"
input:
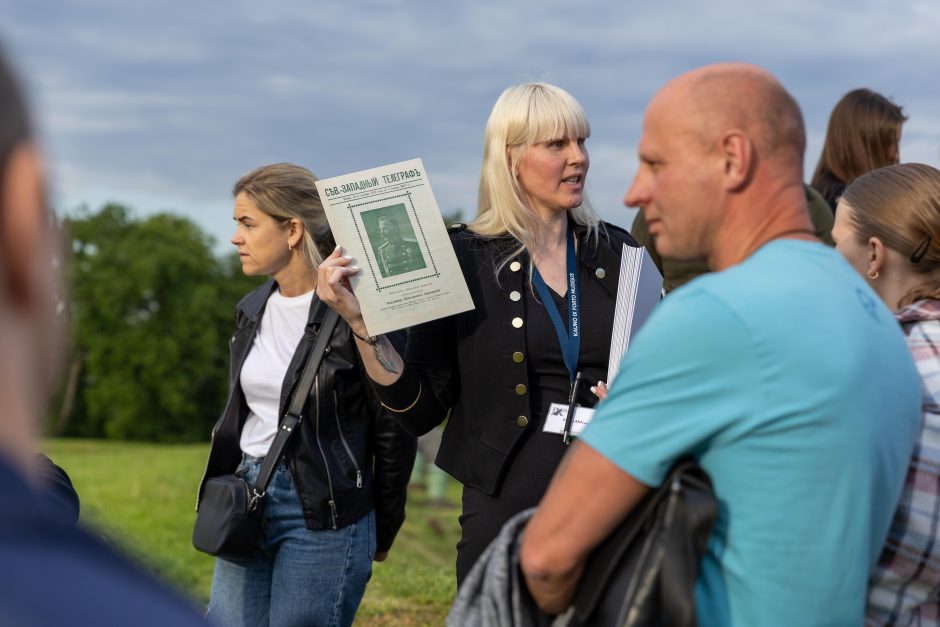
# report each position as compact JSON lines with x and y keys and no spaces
{"x":737,"y":153}
{"x":22,"y":225}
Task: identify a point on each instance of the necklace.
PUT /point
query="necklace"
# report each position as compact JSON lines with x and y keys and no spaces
{"x":795,"y":232}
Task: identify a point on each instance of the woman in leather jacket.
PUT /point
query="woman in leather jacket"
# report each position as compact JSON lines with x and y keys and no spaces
{"x":337,"y":497}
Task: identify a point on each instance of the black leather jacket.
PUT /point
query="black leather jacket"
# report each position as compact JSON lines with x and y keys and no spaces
{"x":349,"y":455}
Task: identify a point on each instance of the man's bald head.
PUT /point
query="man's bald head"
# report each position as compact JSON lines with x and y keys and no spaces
{"x":721,"y":164}
{"x":714,"y":99}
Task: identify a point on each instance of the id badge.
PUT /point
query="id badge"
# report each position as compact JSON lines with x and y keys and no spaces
{"x":557,"y":412}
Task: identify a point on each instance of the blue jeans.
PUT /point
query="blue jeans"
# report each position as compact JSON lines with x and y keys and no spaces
{"x":295,"y":576}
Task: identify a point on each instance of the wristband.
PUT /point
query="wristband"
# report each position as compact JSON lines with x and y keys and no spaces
{"x":370,"y":340}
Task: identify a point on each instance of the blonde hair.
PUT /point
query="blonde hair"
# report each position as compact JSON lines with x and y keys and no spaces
{"x":900,"y":205}
{"x":524,"y":115}
{"x":285,"y":191}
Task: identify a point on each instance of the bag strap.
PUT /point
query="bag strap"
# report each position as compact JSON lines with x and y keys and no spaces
{"x":295,"y":411}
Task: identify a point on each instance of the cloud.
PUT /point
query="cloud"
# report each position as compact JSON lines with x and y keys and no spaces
{"x":166,"y":104}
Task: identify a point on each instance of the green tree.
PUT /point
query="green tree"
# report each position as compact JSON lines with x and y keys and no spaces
{"x":452,"y":216}
{"x":151,"y":311}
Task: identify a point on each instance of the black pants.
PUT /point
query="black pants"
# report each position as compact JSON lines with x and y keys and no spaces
{"x":525,"y":483}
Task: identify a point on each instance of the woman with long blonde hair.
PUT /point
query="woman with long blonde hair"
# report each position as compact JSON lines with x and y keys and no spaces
{"x":542,"y":271}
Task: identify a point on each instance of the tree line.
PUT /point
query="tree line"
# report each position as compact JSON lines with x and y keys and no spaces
{"x":151,"y":310}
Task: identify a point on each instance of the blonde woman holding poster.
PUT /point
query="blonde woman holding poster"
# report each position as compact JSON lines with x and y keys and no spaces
{"x":542,"y":270}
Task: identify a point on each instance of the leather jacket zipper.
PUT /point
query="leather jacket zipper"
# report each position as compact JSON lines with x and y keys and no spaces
{"x":228,"y":404}
{"x":205,"y":471}
{"x":342,"y":438}
{"x":326,"y":464}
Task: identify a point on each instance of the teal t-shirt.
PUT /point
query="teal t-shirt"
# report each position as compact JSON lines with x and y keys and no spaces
{"x":790,"y":382}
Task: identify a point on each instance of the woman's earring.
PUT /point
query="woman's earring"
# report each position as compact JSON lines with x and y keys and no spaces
{"x":873,"y":274}
{"x":289,"y":247}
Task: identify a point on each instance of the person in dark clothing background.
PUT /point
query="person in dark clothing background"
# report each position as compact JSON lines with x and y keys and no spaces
{"x":57,"y":486}
{"x":864,"y":133}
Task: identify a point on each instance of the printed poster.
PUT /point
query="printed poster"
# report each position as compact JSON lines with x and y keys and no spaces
{"x":387,"y":220}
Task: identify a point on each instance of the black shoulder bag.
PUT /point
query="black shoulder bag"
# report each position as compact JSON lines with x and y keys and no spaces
{"x":228,"y":522}
{"x":644,"y":572}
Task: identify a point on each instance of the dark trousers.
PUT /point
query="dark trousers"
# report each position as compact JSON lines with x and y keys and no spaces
{"x":526,"y":480}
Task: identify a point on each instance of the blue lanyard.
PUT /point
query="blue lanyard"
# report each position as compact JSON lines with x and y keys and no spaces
{"x":570,"y":339}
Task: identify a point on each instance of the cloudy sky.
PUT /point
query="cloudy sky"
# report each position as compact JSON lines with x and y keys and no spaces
{"x":162,"y":105}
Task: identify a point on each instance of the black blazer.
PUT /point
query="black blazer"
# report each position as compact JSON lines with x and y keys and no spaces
{"x":474,"y":362}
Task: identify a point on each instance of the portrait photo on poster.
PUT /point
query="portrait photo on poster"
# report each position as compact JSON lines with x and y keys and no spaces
{"x":393,"y":240}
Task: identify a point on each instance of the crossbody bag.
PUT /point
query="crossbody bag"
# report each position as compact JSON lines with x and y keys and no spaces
{"x":228,"y":523}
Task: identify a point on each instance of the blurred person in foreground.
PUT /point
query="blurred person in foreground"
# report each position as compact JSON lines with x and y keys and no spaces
{"x":53,"y":572}
{"x":888,"y":228}
{"x":864,"y":133}
{"x":780,"y":372}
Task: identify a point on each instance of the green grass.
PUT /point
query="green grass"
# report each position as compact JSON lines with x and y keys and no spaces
{"x":142,"y":497}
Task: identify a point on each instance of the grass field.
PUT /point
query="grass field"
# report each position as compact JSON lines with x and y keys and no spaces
{"x":142,"y":497}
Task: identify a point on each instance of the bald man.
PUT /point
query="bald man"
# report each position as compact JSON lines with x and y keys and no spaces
{"x":780,"y":372}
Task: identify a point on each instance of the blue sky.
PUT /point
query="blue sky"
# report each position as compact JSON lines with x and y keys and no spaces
{"x":162,"y":105}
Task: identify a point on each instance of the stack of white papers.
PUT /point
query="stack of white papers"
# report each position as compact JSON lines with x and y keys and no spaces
{"x":639,"y":290}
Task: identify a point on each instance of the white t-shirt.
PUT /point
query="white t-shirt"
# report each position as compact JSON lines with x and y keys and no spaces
{"x":265,"y":367}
